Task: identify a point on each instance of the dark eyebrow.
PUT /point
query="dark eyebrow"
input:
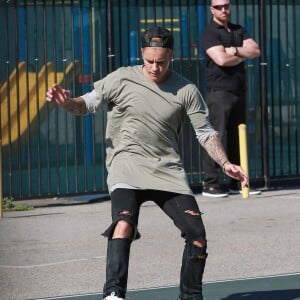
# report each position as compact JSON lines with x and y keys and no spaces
{"x":158,"y":61}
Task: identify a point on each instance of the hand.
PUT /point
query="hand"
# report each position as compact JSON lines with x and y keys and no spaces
{"x":58,"y":95}
{"x":237,"y":173}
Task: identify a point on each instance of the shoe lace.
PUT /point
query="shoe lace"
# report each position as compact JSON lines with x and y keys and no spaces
{"x":112,"y":296}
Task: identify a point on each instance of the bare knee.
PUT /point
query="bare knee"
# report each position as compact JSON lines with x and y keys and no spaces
{"x":200,"y":244}
{"x":200,"y":249}
{"x":123,"y":230}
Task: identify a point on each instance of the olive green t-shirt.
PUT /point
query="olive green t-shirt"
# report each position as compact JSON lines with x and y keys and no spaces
{"x":144,"y":120}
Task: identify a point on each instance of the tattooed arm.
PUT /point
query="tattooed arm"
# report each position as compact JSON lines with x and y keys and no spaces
{"x":61,"y":97}
{"x":216,"y":151}
{"x":76,"y":106}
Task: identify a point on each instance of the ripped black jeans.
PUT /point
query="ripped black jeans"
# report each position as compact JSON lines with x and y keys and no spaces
{"x":184,"y":212}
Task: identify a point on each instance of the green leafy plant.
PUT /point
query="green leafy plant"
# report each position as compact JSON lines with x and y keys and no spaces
{"x":8,"y":205}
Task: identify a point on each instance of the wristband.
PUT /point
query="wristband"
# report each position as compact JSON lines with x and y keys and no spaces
{"x":236,"y":51}
{"x":223,"y":165}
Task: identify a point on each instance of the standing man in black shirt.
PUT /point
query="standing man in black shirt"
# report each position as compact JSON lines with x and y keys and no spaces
{"x":227,"y":46}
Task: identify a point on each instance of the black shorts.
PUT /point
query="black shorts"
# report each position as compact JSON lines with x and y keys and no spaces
{"x":182,"y":209}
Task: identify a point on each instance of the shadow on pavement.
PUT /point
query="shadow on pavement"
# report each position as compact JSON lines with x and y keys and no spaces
{"x":266,"y":295}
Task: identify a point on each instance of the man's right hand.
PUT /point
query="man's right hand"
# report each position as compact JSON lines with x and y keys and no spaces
{"x":58,"y":95}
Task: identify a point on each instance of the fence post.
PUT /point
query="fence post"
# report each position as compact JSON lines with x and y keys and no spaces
{"x":110,"y":36}
{"x":264,"y":98}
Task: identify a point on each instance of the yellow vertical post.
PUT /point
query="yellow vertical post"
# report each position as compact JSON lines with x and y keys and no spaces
{"x":244,"y":154}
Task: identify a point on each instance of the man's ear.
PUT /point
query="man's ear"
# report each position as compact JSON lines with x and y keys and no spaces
{"x":142,"y":53}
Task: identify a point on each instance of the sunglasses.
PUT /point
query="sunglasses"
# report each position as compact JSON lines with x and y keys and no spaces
{"x":220,"y":7}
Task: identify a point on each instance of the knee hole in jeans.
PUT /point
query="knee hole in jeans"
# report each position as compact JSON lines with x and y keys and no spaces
{"x":123,"y":229}
{"x":193,"y":213}
{"x":125,"y":212}
{"x":201,"y":245}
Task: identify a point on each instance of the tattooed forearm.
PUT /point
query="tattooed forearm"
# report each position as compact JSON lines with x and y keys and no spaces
{"x":215,"y":149}
{"x":76,"y":106}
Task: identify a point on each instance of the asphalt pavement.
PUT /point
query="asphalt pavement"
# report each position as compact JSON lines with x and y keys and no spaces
{"x":57,"y":248}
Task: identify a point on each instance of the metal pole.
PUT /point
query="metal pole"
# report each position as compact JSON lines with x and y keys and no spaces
{"x":86,"y":84}
{"x":110,"y":36}
{"x":264,"y":100}
{"x":242,"y":128}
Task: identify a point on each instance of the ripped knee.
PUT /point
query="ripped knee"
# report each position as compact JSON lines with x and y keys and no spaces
{"x":200,"y":244}
{"x":123,"y":226}
{"x":198,"y":249}
{"x":193,"y":229}
{"x":122,"y":229}
{"x":193,"y":213}
{"x":125,"y":213}
{"x":124,"y":219}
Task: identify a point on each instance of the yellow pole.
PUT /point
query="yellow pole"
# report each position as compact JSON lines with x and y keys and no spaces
{"x":243,"y":154}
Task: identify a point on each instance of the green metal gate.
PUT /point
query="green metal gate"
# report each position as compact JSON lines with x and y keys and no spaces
{"x":47,"y":152}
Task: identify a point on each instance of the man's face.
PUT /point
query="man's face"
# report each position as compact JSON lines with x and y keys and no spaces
{"x":156,"y":63}
{"x":220,"y":10}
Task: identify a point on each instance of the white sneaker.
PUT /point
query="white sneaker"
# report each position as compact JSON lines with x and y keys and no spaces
{"x":113,"y":296}
{"x":251,"y":192}
{"x":254,"y":192}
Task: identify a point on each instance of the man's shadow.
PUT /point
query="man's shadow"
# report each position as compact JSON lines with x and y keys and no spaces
{"x":266,"y":295}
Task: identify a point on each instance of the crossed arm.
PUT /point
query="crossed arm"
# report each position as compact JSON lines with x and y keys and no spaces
{"x":226,"y":57}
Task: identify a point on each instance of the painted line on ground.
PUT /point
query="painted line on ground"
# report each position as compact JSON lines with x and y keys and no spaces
{"x":52,"y":264}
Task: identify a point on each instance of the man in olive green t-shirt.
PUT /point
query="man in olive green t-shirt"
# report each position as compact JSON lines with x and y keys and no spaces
{"x":146,"y":108}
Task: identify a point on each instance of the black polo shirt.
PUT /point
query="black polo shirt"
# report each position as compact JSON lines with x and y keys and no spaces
{"x":224,"y":78}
